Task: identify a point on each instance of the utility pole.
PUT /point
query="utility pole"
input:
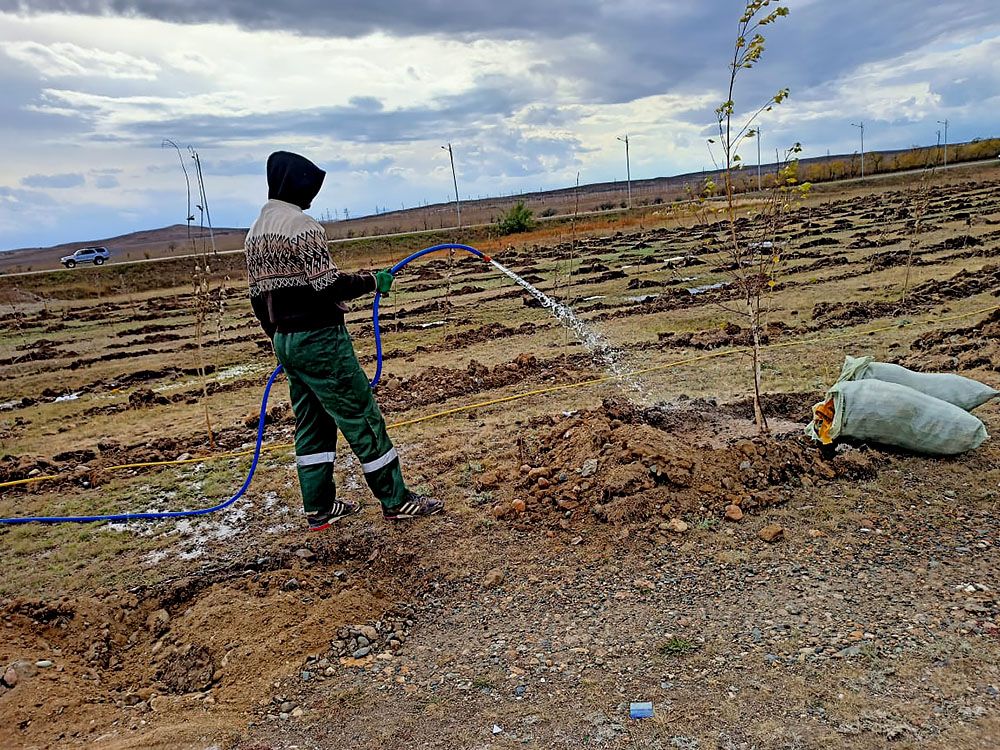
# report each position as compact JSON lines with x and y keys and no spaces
{"x":945,"y":123}
{"x":758,"y":161}
{"x":939,"y":141}
{"x":862,"y":126}
{"x":454,"y":179}
{"x":628,"y":170}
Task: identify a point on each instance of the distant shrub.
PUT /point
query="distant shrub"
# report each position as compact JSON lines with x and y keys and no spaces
{"x":605,"y":206}
{"x":519,"y":218}
{"x":548,"y":212}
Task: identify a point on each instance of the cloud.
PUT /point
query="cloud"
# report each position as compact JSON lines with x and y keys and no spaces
{"x":609,"y":52}
{"x":69,"y":180}
{"x":15,"y":197}
{"x":65,"y":59}
{"x":900,"y":99}
{"x":502,"y":153}
{"x":214,"y":120}
{"x":347,"y":18}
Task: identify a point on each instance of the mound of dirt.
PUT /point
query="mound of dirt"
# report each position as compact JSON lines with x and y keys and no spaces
{"x":153,"y":338}
{"x":144,"y":397}
{"x":13,"y":468}
{"x":152,"y":328}
{"x":218,"y":640}
{"x":37,"y":351}
{"x":625,"y":466}
{"x":968,"y":348}
{"x":436,"y":384}
{"x":892,"y":258}
{"x":921,"y":297}
{"x":819,"y":242}
{"x":434,"y":306}
{"x":490,"y":332}
{"x":960,"y":242}
{"x":796,"y":407}
{"x":729,"y":334}
{"x":963,"y":284}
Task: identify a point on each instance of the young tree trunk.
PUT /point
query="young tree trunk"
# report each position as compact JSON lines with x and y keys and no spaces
{"x":758,"y":407}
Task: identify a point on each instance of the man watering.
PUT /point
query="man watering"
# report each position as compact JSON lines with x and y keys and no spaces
{"x":299,"y":296}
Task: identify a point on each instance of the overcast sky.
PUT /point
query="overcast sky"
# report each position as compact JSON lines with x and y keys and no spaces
{"x":528,"y":93}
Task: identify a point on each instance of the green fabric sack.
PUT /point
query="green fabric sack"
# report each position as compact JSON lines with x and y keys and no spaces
{"x":893,"y":414}
{"x":963,"y":392}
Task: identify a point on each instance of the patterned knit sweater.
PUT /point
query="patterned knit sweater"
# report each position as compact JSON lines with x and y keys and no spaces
{"x":294,"y":285}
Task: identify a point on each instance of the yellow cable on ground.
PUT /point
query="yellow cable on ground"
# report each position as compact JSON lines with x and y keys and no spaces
{"x":535,"y":392}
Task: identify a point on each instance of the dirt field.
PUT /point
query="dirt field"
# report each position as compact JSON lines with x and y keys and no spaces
{"x":600,"y":546}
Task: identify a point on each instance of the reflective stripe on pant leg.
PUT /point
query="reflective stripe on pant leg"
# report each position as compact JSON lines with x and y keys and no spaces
{"x":379,"y":462}
{"x":311,"y":459}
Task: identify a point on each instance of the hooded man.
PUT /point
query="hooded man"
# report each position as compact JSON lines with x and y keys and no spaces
{"x":299,"y":296}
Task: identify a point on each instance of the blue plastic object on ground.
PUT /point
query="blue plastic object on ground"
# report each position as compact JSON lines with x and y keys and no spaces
{"x":641,"y":710}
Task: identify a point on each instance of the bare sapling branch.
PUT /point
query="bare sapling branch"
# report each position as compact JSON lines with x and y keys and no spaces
{"x":201,"y":279}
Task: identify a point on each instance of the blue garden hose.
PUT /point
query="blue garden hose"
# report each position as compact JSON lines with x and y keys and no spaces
{"x":396,"y":269}
{"x":113,"y":517}
{"x":119,"y":517}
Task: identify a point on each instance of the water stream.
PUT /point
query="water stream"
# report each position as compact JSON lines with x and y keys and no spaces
{"x":610,"y":359}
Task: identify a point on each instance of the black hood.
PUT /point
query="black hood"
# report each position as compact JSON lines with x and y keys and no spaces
{"x":293,"y":178}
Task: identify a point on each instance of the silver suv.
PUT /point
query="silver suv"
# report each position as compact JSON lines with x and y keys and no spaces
{"x":95,"y":255}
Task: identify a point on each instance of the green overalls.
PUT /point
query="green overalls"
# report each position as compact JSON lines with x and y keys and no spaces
{"x":329,"y":390}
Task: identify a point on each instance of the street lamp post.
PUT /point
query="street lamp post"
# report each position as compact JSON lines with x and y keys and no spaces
{"x":454,"y":179}
{"x":862,"y":126}
{"x":945,"y":123}
{"x":628,"y":170}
